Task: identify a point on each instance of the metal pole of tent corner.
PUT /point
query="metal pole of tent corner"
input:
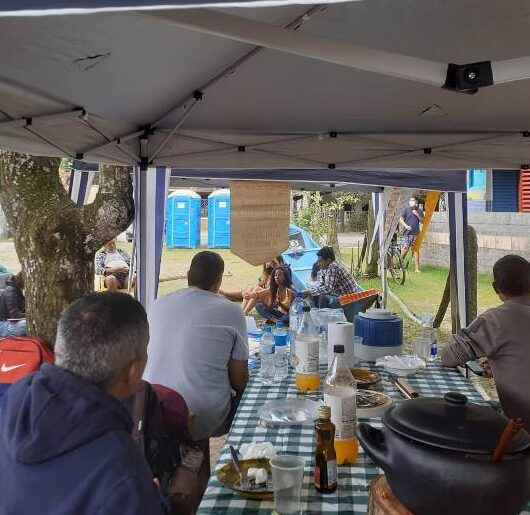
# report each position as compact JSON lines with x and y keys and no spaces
{"x":457,"y":211}
{"x":382,"y":260}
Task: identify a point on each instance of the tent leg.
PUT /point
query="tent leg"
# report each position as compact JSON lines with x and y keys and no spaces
{"x":151,"y":187}
{"x":381,"y":208}
{"x":457,"y":203}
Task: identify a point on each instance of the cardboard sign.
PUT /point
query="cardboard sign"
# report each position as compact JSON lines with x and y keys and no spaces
{"x":260,"y":214}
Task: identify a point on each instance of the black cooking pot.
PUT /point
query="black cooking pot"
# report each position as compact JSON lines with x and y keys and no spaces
{"x":436,"y":454}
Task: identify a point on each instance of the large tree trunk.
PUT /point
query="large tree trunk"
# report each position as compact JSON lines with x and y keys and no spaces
{"x":371,"y":268}
{"x":56,"y":241}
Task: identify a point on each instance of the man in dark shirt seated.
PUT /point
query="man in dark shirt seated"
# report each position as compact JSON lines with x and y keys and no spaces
{"x":13,"y":308}
{"x":411,"y":221}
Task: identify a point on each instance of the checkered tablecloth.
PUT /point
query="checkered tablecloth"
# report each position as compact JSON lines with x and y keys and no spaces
{"x":352,"y":494}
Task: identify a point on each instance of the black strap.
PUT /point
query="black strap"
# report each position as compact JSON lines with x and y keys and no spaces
{"x":139,"y":419}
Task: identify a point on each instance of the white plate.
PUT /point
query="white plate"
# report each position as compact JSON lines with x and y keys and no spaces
{"x":289,"y":412}
{"x":401,"y":366}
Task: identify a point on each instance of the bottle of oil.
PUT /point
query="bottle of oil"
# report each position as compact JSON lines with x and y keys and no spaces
{"x":340,"y":392}
{"x":325,"y":476}
{"x":306,"y":359}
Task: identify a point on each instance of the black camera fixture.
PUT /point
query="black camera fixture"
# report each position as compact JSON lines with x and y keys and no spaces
{"x":468,"y":78}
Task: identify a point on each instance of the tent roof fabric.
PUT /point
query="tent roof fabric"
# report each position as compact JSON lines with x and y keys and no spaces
{"x":89,"y":86}
{"x":62,"y":7}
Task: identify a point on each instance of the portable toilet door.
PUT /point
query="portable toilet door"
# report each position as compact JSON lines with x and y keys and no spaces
{"x":219,"y":219}
{"x":183,"y":220}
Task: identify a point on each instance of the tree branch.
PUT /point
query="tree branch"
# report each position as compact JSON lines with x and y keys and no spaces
{"x":112,"y":210}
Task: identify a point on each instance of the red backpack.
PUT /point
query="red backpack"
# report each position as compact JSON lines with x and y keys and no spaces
{"x":20,"y":356}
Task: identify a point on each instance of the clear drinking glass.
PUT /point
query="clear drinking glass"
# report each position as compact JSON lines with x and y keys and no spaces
{"x":422,"y":347}
{"x":287,"y":478}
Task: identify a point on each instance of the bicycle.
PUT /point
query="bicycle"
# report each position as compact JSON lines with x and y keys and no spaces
{"x":394,"y":262}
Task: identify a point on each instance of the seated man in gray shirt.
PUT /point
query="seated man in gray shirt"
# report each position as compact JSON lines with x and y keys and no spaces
{"x":198,"y":347}
{"x":502,"y":334}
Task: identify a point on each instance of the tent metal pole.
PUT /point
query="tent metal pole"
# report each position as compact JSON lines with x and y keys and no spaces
{"x":342,"y":53}
{"x":28,"y":121}
{"x":115,"y":141}
{"x":382,"y":260}
{"x":229,"y":147}
{"x":457,"y":206}
{"x":135,"y":158}
{"x":50,"y":142}
{"x":294,"y":25}
{"x":177,"y":126}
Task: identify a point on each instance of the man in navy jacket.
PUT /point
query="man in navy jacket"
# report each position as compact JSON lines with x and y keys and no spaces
{"x":65,"y":444}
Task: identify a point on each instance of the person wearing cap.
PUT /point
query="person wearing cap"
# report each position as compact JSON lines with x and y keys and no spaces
{"x":335,"y":281}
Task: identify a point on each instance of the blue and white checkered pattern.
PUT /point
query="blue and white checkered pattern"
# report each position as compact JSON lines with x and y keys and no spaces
{"x":354,"y":482}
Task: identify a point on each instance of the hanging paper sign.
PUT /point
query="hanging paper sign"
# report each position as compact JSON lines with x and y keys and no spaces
{"x":260,"y":215}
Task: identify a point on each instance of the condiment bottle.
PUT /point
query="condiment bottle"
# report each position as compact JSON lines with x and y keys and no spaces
{"x":306,"y":360}
{"x":325,"y":476}
{"x":340,"y":392}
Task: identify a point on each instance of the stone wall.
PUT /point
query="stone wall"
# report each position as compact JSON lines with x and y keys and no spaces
{"x":498,"y":234}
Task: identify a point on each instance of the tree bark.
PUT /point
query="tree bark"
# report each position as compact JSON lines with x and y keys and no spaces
{"x":56,"y":241}
{"x":372,"y":265}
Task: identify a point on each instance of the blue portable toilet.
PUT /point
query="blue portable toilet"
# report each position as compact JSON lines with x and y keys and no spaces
{"x":219,"y":219}
{"x":183,"y":220}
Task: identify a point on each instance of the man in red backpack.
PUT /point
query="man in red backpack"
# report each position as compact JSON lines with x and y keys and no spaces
{"x":65,"y":436}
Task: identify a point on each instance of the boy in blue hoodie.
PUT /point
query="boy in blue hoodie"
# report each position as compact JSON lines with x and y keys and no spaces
{"x":65,"y":444}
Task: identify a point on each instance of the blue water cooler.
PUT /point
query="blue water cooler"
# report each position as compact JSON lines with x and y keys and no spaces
{"x":381,"y":332}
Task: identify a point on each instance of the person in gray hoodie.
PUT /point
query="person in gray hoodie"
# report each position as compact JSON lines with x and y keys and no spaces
{"x":65,"y":434}
{"x":502,"y":335}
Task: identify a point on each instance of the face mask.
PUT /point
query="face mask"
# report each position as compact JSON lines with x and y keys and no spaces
{"x":412,"y":203}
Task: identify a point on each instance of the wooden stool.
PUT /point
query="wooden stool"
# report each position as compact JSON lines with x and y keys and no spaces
{"x":382,"y":501}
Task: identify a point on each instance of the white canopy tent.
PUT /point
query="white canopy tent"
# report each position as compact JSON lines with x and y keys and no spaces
{"x":327,"y":91}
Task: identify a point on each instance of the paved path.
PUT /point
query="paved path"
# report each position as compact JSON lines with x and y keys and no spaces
{"x":350,"y":239}
{"x":7,"y":246}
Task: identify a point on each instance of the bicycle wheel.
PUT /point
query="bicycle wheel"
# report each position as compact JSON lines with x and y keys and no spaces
{"x":396,"y":268}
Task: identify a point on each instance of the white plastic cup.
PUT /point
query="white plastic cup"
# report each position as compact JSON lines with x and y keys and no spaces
{"x":287,"y":479}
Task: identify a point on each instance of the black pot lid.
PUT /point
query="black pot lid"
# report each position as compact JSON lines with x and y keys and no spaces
{"x":452,"y":423}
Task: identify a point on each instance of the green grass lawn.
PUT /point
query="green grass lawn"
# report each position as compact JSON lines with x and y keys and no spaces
{"x":175,"y":262}
{"x":421,"y":292}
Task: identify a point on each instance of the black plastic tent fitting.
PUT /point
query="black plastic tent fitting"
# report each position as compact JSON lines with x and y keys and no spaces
{"x":468,"y":78}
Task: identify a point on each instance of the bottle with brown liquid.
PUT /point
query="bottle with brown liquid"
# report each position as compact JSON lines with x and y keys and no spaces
{"x":325,"y":459}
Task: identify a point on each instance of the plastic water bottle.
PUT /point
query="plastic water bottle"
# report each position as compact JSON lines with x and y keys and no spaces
{"x":295,"y":317}
{"x":306,"y":358}
{"x":267,"y":371}
{"x":281,"y":352}
{"x":323,"y":346}
{"x":429,"y":333}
